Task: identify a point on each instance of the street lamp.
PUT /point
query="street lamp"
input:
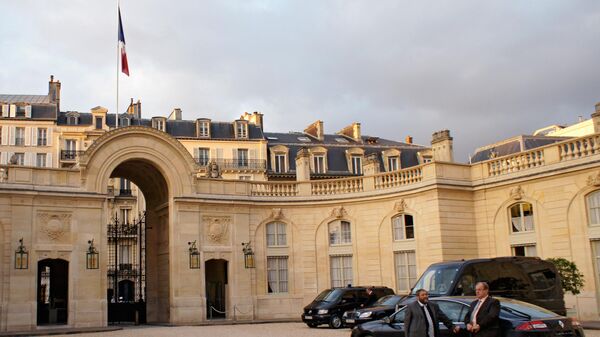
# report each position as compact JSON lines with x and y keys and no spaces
{"x":21,"y":256}
{"x":91,"y":257}
{"x":248,"y":255}
{"x":194,"y":255}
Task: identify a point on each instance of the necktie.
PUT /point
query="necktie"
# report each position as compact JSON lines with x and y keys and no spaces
{"x":474,"y":315}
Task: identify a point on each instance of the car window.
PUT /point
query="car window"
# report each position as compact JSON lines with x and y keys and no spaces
{"x":454,"y":311}
{"x":362,"y":296}
{"x":527,"y":309}
{"x":349,"y":296}
{"x":509,"y":282}
{"x":399,"y":316}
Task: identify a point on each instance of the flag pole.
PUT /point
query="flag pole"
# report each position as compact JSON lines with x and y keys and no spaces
{"x":118,"y":46}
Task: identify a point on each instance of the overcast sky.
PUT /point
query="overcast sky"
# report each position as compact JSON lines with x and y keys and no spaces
{"x":485,"y":70}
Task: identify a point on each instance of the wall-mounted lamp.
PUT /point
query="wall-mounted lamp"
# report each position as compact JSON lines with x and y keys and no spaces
{"x":194,"y":255}
{"x":92,"y":256}
{"x":248,"y":255}
{"x":21,"y":256}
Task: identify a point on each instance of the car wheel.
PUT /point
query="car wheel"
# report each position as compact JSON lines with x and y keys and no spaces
{"x":335,"y":322}
{"x":311,"y":325}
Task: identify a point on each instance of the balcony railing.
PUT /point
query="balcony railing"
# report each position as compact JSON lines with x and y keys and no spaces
{"x":235,"y":164}
{"x":70,"y":155}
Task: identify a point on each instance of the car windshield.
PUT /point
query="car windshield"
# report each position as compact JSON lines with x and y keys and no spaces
{"x":387,"y":300}
{"x":526,"y":309}
{"x":329,"y":295}
{"x":437,"y":280}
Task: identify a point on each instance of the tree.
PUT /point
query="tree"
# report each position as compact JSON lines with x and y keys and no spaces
{"x":571,"y":279}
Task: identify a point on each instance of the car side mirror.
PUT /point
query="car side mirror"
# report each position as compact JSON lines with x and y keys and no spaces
{"x":387,"y":320}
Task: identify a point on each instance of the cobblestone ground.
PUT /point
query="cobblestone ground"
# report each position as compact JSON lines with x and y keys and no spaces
{"x":246,"y":330}
{"x":249,"y":330}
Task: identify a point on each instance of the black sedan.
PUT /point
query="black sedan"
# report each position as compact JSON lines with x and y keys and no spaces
{"x":517,"y":319}
{"x":384,"y":306}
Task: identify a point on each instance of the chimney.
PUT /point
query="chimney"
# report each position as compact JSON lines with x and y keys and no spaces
{"x":54,"y":92}
{"x":316,"y":130}
{"x":255,"y":118}
{"x":175,"y":115}
{"x":596,"y":118}
{"x":409,"y":140}
{"x":135,"y":109}
{"x":303,"y":165}
{"x":352,"y":131}
{"x":441,"y":145}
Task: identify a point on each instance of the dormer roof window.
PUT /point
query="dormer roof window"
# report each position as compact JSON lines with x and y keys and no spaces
{"x":203,"y":128}
{"x":241,"y":129}
{"x":159,"y":123}
{"x":72,"y":118}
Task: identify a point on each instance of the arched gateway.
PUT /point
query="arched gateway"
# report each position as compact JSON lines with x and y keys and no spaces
{"x":162,"y":169}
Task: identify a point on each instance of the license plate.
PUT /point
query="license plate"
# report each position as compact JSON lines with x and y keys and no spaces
{"x":307,"y":317}
{"x":349,"y":321}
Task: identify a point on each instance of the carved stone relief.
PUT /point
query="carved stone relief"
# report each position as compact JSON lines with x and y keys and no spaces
{"x":517,"y":193}
{"x":594,"y":180}
{"x":216,"y":229}
{"x":277,"y":214}
{"x":400,"y":206}
{"x":339,"y":212}
{"x":54,"y":224}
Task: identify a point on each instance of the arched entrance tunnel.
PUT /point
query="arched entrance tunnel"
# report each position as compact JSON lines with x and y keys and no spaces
{"x":145,"y":271}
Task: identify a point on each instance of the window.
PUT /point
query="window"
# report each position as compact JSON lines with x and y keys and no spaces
{"x":71,"y":145}
{"x":124,"y":257}
{"x":521,"y":217}
{"x":125,"y":215}
{"x":203,"y":129}
{"x":276,"y":234}
{"x":356,"y":165}
{"x":593,"y":204}
{"x":241,"y":130}
{"x":426,"y":160}
{"x":20,"y":136}
{"x":319,"y":163}
{"x":277,"y":274}
{"x":42,"y":135}
{"x":98,"y":122}
{"x":524,"y":250}
{"x":40,"y":160}
{"x":158,"y":123}
{"x":341,"y":270}
{"x":403,"y":227}
{"x":341,"y":140}
{"x":20,"y":111}
{"x":454,"y":311}
{"x":406,"y":269}
{"x":339,"y":233}
{"x":124,"y":122}
{"x":18,"y":159}
{"x":393,"y":163}
{"x":72,"y":120}
{"x":124,"y":187}
{"x":280,"y":163}
{"x":203,"y":156}
{"x":242,"y":157}
{"x":304,"y":139}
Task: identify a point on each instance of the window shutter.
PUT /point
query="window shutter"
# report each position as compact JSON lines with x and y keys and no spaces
{"x":27,"y":135}
{"x":4,"y":133}
{"x":11,"y":135}
{"x":5,"y":110}
{"x":48,"y":159}
{"x":196,"y":153}
{"x":49,"y":137}
{"x":28,"y":111}
{"x":13,"y":111}
{"x":34,"y":138}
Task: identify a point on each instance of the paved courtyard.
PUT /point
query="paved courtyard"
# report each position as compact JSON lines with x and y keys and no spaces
{"x":246,"y":330}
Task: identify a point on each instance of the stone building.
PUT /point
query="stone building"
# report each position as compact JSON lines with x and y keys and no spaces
{"x":317,"y":209}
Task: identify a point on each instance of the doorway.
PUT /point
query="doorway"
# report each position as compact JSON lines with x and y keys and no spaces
{"x":52,"y":291}
{"x":216,"y":288}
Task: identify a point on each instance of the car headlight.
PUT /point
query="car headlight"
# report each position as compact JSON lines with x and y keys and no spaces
{"x":366,"y":314}
{"x":345,"y":314}
{"x":323,"y":311}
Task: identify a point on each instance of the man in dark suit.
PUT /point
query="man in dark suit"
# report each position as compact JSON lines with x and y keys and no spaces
{"x":483,"y":319}
{"x":422,"y":317}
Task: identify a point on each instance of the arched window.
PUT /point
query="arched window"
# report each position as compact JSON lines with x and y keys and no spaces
{"x":593,"y":205}
{"x":339,"y":233}
{"x":276,"y":234}
{"x":521,"y":217}
{"x":403,"y":227}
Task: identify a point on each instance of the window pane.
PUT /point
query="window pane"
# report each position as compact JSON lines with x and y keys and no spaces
{"x":406,"y":270}
{"x":271,"y":236}
{"x":521,"y":217}
{"x":594,"y":208}
{"x":346,"y":234}
{"x":410,"y":230}
{"x":398,"y":226}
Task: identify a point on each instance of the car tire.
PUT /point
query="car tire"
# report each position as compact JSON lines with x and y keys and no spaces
{"x":311,"y":325}
{"x":335,"y":322}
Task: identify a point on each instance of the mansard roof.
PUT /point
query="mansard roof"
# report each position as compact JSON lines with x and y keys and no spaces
{"x":513,"y":145}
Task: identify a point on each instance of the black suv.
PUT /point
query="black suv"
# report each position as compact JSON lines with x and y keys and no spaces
{"x":384,"y":306}
{"x":329,"y":306}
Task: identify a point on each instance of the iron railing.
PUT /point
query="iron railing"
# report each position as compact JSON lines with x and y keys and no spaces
{"x":235,"y":164}
{"x":70,"y":154}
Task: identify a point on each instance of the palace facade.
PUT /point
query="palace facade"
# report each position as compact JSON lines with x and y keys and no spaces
{"x":244,"y":224}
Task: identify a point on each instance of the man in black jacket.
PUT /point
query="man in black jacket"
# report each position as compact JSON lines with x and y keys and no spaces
{"x":483,"y":317}
{"x":422,"y":317}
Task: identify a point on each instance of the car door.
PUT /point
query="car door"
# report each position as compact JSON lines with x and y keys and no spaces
{"x":456,"y":312}
{"x":394,"y":329}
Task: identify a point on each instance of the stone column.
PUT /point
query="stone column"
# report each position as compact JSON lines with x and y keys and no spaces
{"x":303,"y":165}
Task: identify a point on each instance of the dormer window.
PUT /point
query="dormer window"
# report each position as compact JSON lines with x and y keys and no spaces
{"x":319,"y":163}
{"x":241,"y":129}
{"x":357,"y":165}
{"x":203,"y":128}
{"x":73,"y":118}
{"x":23,"y":111}
{"x":124,"y":121}
{"x":393,"y":163}
{"x":159,"y":123}
{"x":279,"y":161}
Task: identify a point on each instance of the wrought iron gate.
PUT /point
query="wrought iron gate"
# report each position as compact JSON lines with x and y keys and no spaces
{"x":126,"y":291}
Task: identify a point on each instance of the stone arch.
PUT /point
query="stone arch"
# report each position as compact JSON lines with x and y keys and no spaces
{"x":141,"y":145}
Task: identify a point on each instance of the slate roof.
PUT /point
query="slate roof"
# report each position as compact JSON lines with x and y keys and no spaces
{"x":32,"y":99}
{"x":512,"y":146}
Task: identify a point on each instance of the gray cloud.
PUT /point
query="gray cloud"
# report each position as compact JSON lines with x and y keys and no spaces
{"x":485,"y":70}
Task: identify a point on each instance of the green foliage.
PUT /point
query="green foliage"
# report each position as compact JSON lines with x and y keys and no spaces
{"x":571,"y":278}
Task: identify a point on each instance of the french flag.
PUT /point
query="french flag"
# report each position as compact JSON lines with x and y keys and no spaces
{"x":124,"y":65}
